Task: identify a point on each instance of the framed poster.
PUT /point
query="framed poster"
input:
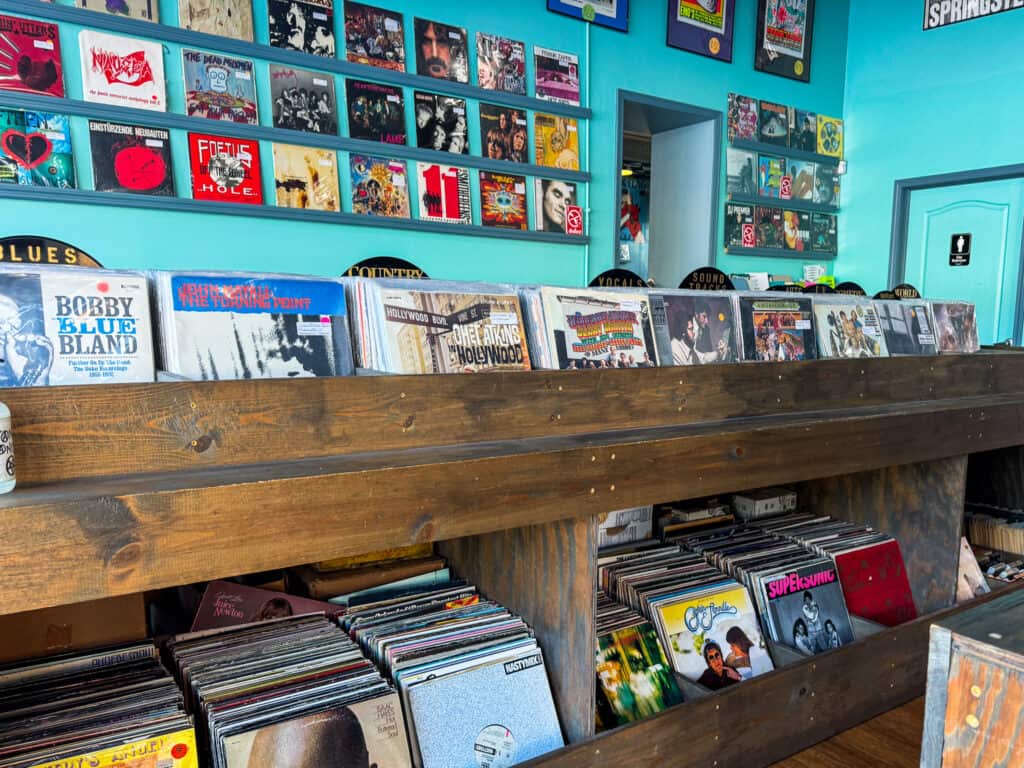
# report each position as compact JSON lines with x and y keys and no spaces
{"x":702,"y":26}
{"x":783,"y":45}
{"x":613,"y":14}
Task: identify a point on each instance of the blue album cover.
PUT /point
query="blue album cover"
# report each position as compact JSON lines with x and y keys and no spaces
{"x":223,"y":326}
{"x":497,"y":714}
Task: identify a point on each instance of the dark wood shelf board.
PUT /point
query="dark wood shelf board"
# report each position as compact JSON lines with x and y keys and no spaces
{"x":777,"y":202}
{"x":80,"y":540}
{"x":165,"y":32}
{"x":784,"y":711}
{"x":782,"y":253}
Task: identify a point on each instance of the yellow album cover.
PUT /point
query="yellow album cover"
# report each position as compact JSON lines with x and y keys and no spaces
{"x":227,"y":18}
{"x":830,"y":136}
{"x":556,"y":142}
{"x":171,"y":750}
{"x":305,"y":177}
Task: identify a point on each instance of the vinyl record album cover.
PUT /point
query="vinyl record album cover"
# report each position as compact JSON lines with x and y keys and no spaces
{"x":374,"y":36}
{"x":556,"y":76}
{"x":503,"y":201}
{"x":306,"y":177}
{"x":226,"y":18}
{"x":225,"y":326}
{"x":303,"y":100}
{"x":435,"y":332}
{"x":227,"y":604}
{"x":830,"y":136}
{"x":380,"y":186}
{"x":500,"y":64}
{"x":64,"y":325}
{"x":771,"y":227}
{"x":774,"y":124}
{"x":826,"y":185}
{"x":497,"y":714}
{"x":131,"y":158}
{"x":122,"y":71}
{"x":148,"y":10}
{"x":824,"y":238}
{"x":907,"y":326}
{"x":30,"y":59}
{"x":743,"y":118}
{"x":556,"y":142}
{"x":956,"y":327}
{"x":225,"y":169}
{"x":796,"y":231}
{"x":442,"y":51}
{"x":551,"y":199}
{"x":35,"y":149}
{"x":849,"y":328}
{"x":167,"y":750}
{"x":802,"y":177}
{"x":806,"y":609}
{"x":444,"y":193}
{"x":503,"y":133}
{"x":694,"y":328}
{"x":633,"y":674}
{"x":740,"y":229}
{"x":875,"y":583}
{"x":741,"y":172}
{"x":701,"y":630}
{"x":219,"y":87}
{"x":770,"y":170}
{"x":777,"y":330}
{"x":586,"y":328}
{"x":803,"y":130}
{"x":302,"y":25}
{"x":363,"y":733}
{"x":375,"y":112}
{"x":441,"y":123}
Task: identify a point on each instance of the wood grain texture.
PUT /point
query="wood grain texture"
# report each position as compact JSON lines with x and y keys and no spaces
{"x":891,"y":740}
{"x":94,"y":538}
{"x":921,"y":505}
{"x":775,"y":715}
{"x":940,"y":647}
{"x":96,"y":431}
{"x":984,"y":707}
{"x":547,"y":574}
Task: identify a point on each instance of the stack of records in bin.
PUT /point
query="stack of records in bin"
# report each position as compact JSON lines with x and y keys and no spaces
{"x":869,"y":564}
{"x":581,"y":328}
{"x":235,"y":325}
{"x":634,"y":679}
{"x":797,"y":592}
{"x":694,"y":327}
{"x":848,"y":327}
{"x":293,"y":691}
{"x":417,"y":326}
{"x":102,"y":708}
{"x":470,"y":675}
{"x":907,"y":326}
{"x":705,"y":620}
{"x":956,"y":326}
{"x":777,"y":327}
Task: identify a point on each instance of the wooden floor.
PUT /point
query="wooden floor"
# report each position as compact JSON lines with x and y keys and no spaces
{"x":892,"y":740}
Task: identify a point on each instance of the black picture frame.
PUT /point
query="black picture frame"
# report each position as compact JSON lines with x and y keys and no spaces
{"x":770,"y":55}
{"x":696,"y":34}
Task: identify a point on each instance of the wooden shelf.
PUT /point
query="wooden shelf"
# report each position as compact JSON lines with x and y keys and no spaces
{"x":787,"y":152}
{"x":778,"y":202}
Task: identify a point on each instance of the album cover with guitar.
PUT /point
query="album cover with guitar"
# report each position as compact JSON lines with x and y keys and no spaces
{"x":131,"y":158}
{"x":30,"y":57}
{"x":35,"y":149}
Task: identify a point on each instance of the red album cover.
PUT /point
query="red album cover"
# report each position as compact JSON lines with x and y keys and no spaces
{"x":503,"y":200}
{"x":30,"y":56}
{"x":225,"y":169}
{"x":875,"y":584}
{"x":226,"y":604}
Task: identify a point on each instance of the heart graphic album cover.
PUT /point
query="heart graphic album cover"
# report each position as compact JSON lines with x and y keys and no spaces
{"x":35,"y":149}
{"x":30,"y":57}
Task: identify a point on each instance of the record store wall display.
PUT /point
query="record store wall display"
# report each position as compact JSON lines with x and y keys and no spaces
{"x":702,"y":26}
{"x":784,"y":32}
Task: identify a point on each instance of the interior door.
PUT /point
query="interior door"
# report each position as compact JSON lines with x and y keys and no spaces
{"x":993,"y":214}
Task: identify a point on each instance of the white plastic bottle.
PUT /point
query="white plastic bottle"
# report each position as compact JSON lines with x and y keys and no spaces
{"x":7,"y":479}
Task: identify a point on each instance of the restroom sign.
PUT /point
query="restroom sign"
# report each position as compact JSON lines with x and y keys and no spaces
{"x":960,"y":249}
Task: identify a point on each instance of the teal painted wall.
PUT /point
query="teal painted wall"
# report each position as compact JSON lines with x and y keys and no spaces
{"x":917,"y":104}
{"x":639,"y":61}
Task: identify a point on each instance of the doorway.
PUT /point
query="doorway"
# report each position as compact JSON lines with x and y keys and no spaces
{"x":669,"y":159}
{"x":961,"y":236}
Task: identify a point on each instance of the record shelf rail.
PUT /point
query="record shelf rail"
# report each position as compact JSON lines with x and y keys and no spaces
{"x":129,"y":488}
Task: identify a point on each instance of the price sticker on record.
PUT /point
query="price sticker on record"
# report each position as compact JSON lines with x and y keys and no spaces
{"x":573,"y":220}
{"x":786,"y":188}
{"x":749,"y":238}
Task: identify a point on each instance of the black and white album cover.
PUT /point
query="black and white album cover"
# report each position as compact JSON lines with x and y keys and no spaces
{"x":441,"y":123}
{"x":302,"y":25}
{"x":303,"y":100}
